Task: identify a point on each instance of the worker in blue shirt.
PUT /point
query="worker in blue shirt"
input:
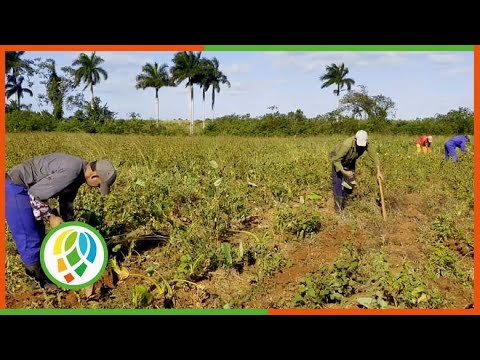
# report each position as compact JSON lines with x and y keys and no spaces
{"x":451,"y":146}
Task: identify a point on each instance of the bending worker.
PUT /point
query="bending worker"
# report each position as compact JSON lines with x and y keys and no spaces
{"x":31,"y":184}
{"x":424,"y":143}
{"x":343,"y":158}
{"x":451,"y":146}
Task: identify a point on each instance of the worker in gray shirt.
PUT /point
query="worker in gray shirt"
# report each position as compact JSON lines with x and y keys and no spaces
{"x":31,"y":184}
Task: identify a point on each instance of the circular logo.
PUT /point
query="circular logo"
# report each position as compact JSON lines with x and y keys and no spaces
{"x":73,"y":255}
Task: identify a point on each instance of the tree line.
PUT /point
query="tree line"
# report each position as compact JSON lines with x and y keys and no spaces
{"x":86,"y":70}
{"x":459,"y":121}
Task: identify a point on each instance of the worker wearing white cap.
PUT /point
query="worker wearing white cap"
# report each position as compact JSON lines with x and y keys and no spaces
{"x":343,"y":159}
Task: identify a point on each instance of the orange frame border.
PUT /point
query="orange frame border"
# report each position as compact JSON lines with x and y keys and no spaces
{"x":476,"y":54}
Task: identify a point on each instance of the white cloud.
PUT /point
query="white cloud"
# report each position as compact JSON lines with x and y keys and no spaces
{"x":237,"y":68}
{"x":116,"y":59}
{"x":460,"y":70}
{"x":450,"y":63}
{"x":236,"y":89}
{"x":445,"y":58}
{"x":119,"y":80}
{"x":317,"y":61}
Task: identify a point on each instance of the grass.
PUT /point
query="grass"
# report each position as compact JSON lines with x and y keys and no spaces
{"x":254,"y":217}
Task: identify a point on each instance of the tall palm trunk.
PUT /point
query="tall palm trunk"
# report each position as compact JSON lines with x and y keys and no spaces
{"x":204,"y":113}
{"x":18,"y":99}
{"x":158,"y":106}
{"x":213,"y":103}
{"x":338,"y":100}
{"x":191,"y":108}
{"x":92,"y":103}
{"x":338,"y":96}
{"x":203,"y":108}
{"x":92,"y":96}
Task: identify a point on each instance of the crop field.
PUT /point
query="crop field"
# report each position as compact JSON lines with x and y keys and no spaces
{"x":234,"y":222}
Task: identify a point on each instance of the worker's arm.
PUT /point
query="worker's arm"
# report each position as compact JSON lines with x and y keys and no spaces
{"x":42,"y":210}
{"x":66,"y":205}
{"x":463,"y":146}
{"x":47,"y":188}
{"x":427,"y":146}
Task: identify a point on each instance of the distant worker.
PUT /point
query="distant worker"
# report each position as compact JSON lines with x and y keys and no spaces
{"x":424,"y":143}
{"x":451,"y":146}
{"x":343,"y":158}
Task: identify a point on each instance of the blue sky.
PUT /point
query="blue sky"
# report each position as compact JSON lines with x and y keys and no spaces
{"x":421,"y":83}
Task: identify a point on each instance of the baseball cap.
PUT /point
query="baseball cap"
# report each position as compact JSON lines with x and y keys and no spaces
{"x":430,"y":138}
{"x":362,"y":137}
{"x":469,"y":138}
{"x":107,"y":174}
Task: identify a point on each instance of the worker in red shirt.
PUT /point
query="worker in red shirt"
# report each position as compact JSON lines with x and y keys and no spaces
{"x":424,"y":143}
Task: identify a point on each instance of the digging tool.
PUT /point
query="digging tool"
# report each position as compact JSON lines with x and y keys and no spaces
{"x":384,"y":212}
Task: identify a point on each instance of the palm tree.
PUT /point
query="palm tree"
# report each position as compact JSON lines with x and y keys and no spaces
{"x":204,"y":79}
{"x":89,"y":72}
{"x":18,"y":66}
{"x":205,"y":84}
{"x":215,"y":78}
{"x":14,"y":86}
{"x":336,"y":75}
{"x":155,"y":77}
{"x":186,"y":66}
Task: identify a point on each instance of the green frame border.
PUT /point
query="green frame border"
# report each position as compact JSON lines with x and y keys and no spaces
{"x":60,"y":227}
{"x":133,"y":312}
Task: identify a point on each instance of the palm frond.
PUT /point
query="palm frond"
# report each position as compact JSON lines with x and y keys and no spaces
{"x":335,"y":74}
{"x":10,"y":92}
{"x":103,"y":73}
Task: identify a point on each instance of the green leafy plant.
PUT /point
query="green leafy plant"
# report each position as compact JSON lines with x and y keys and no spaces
{"x":141,"y":297}
{"x":301,"y":222}
{"x":188,"y":267}
{"x":332,"y":283}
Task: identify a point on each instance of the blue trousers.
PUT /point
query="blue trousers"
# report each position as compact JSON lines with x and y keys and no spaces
{"x":337,"y":178}
{"x":451,"y":150}
{"x":27,"y":232}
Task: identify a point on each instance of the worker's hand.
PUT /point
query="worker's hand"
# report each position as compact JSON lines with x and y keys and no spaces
{"x":347,"y":173}
{"x":380,"y":176}
{"x":55,"y":221}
